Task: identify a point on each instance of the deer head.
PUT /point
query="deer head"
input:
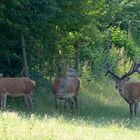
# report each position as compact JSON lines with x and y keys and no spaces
{"x":120,"y":81}
{"x":72,"y":73}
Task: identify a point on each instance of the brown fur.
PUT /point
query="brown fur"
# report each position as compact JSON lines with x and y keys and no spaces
{"x":130,"y":91}
{"x":71,"y":85}
{"x":16,"y":87}
{"x":66,"y":88}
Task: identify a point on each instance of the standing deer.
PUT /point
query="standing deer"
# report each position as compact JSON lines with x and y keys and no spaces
{"x":66,"y":88}
{"x":129,"y":90}
{"x":16,"y":87}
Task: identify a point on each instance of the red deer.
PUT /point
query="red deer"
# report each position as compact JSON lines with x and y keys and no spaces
{"x":66,"y":88}
{"x":16,"y":87}
{"x":129,"y":90}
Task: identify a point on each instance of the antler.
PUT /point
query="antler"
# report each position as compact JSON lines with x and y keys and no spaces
{"x":108,"y":68}
{"x":132,"y":70}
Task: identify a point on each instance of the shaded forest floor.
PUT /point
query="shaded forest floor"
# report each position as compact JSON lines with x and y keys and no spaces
{"x":101,"y":114}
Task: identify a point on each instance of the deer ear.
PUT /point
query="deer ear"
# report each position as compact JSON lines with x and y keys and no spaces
{"x":127,"y":79}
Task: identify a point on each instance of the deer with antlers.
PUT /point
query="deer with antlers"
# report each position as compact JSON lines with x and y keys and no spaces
{"x":129,"y":90}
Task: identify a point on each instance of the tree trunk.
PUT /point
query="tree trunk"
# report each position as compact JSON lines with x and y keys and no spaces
{"x":99,"y":43}
{"x":108,"y":47}
{"x":129,"y":29}
{"x":138,"y":36}
{"x":25,"y":65}
{"x":77,"y":62}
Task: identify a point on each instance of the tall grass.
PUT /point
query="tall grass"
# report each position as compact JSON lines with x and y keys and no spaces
{"x":101,"y":114}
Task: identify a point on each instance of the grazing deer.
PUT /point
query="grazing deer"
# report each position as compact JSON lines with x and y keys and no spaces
{"x":66,"y":88}
{"x":16,"y":87}
{"x":129,"y":90}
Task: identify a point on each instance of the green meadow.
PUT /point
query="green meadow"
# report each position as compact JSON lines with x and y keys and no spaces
{"x":101,"y":115}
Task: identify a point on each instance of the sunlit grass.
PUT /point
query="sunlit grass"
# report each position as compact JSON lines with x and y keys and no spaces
{"x":101,"y":114}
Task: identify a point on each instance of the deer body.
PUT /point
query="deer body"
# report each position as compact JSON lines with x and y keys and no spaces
{"x":66,"y":88}
{"x":16,"y":87}
{"x":130,"y":91}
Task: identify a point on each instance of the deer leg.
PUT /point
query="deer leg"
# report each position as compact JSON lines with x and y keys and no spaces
{"x":131,"y":109}
{"x":75,"y":99}
{"x":70,"y":103}
{"x":135,"y":108}
{"x":73,"y":105}
{"x":28,"y":101}
{"x":4,"y":99}
{"x":0,"y":101}
{"x":55,"y":102}
{"x":65,"y":103}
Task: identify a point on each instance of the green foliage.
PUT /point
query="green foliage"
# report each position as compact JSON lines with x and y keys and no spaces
{"x":52,"y":29}
{"x":30,"y":17}
{"x":120,"y":39}
{"x":130,"y":11}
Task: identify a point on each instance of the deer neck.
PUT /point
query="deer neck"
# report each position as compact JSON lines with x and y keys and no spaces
{"x":121,"y":91}
{"x":68,"y":78}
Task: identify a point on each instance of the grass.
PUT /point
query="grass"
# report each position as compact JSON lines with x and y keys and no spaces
{"x":101,"y":114}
